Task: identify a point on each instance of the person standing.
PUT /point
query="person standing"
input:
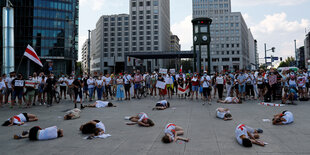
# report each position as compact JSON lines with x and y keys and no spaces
{"x":9,"y":90}
{"x":108,"y":85}
{"x":195,"y":85}
{"x":63,"y":85}
{"x":138,"y":79}
{"x":91,"y":86}
{"x":153,"y":84}
{"x":85,"y":87}
{"x":100,"y":85}
{"x":127,"y":81}
{"x":50,"y":89}
{"x":242,"y":83}
{"x":160,"y":90}
{"x":206,"y":86}
{"x":70,"y":87}
{"x":229,"y":82}
{"x":273,"y":83}
{"x":2,"y":90}
{"x":35,"y":78}
{"x":30,"y":91}
{"x":120,"y":87}
{"x":77,"y":88}
{"x":18,"y":89}
{"x":219,"y":81}
{"x":169,"y":84}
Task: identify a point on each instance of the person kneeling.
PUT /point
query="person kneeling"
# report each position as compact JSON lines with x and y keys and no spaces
{"x":141,"y":119}
{"x":230,"y":100}
{"x":100,"y":104}
{"x":247,"y":136}
{"x":162,"y":105}
{"x":72,"y":114}
{"x":223,"y":113}
{"x":172,"y":133}
{"x":286,"y":117}
{"x":20,"y":119}
{"x":36,"y":133}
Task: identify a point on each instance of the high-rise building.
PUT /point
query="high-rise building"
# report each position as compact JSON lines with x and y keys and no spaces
{"x":51,"y":28}
{"x":301,"y":57}
{"x":150,"y":28}
{"x":175,"y":43}
{"x":256,"y":54}
{"x":307,"y":51}
{"x":229,"y":35}
{"x":85,"y":56}
{"x":252,"y":58}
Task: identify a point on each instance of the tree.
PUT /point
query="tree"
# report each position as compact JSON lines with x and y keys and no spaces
{"x":290,"y":61}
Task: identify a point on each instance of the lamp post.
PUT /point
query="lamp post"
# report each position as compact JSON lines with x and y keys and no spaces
{"x":272,"y":49}
{"x":88,"y":53}
{"x":201,"y":36}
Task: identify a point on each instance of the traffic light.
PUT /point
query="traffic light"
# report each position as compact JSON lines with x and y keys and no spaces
{"x":273,"y":49}
{"x":280,"y":58}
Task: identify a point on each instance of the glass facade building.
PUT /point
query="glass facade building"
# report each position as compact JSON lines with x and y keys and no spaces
{"x":51,"y":28}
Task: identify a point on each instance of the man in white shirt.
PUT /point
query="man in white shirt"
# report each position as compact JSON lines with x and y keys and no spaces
{"x":8,"y":83}
{"x":127,"y":82}
{"x":63,"y":85}
{"x":206,"y":87}
{"x":246,"y":135}
{"x":91,"y":82}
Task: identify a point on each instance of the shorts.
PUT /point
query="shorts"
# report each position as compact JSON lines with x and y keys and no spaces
{"x":33,"y":133}
{"x":206,"y":92}
{"x":76,"y":94}
{"x":158,"y":105}
{"x":195,"y":88}
{"x":260,"y":86}
{"x":147,"y":85}
{"x":127,"y":87}
{"x":85,"y":88}
{"x":169,"y":86}
{"x":70,"y":91}
{"x":8,"y":91}
{"x":63,"y":88}
{"x":30,"y":95}
{"x":242,"y":88}
{"x":18,"y":94}
{"x":137,"y":86}
{"x":26,"y":116}
{"x":301,"y":88}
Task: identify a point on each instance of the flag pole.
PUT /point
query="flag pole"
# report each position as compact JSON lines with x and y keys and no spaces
{"x":28,"y":68}
{"x":20,"y":63}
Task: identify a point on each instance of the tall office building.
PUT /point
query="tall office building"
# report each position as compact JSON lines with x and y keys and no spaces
{"x":150,"y":28}
{"x":85,"y":56}
{"x":175,"y":43}
{"x":229,"y":35}
{"x":51,"y":28}
{"x":307,"y":50}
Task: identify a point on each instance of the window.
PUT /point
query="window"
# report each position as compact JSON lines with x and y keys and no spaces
{"x":119,"y":54}
{"x":140,"y":3}
{"x":148,"y":12}
{"x":237,"y":45}
{"x":238,"y":52}
{"x":134,"y":17}
{"x":134,"y":12}
{"x":235,"y":59}
{"x":232,"y":52}
{"x":148,"y":3}
{"x":225,"y":59}
{"x":140,"y":12}
{"x":227,"y":45}
{"x":141,"y":48}
{"x":140,"y":17}
{"x":155,"y":3}
{"x":227,"y":52}
{"x":133,"y":4}
{"x":232,"y":45}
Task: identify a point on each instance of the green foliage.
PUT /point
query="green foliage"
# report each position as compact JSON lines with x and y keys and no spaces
{"x":287,"y":62}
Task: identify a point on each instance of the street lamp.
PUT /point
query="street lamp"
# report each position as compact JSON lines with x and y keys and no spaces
{"x":272,"y":49}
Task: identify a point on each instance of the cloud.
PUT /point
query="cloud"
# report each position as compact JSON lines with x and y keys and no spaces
{"x":267,"y":2}
{"x":183,"y":30}
{"x":276,"y":30}
{"x":95,"y":5}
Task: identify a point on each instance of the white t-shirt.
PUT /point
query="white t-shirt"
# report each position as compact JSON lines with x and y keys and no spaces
{"x":100,"y":125}
{"x":91,"y":83}
{"x":288,"y":116}
{"x":170,"y":129}
{"x":9,"y":80}
{"x":241,"y":129}
{"x":62,"y":81}
{"x":127,"y":79}
{"x":18,"y":119}
{"x":101,"y":104}
{"x":107,"y":80}
{"x":48,"y":133}
{"x":70,"y":81}
{"x":221,"y":114}
{"x":100,"y":82}
{"x":142,"y":116}
{"x":220,"y":80}
{"x":2,"y":85}
{"x":163,"y":102}
{"x":205,"y":84}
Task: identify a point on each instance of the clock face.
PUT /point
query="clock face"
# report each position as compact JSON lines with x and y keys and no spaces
{"x":195,"y":38}
{"x":204,"y":38}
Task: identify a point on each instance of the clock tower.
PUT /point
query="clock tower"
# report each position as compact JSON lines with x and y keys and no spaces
{"x":201,"y":36}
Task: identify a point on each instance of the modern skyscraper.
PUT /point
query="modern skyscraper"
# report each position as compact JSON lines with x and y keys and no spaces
{"x":229,"y":35}
{"x":307,"y":50}
{"x":175,"y":43}
{"x":150,"y":28}
{"x":85,"y":57}
{"x":50,"y":27}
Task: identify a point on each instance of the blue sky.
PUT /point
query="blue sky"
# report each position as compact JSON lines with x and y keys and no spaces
{"x":275,"y":22}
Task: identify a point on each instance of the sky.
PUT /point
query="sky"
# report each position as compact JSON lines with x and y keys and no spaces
{"x":274,"y":22}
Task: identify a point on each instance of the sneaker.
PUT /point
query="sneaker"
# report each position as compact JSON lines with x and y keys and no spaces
{"x":25,"y":133}
{"x":259,"y":130}
{"x":17,"y":137}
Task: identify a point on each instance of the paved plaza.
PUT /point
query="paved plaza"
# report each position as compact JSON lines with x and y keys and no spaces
{"x":208,"y":135}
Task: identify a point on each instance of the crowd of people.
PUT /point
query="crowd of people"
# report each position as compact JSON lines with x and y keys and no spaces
{"x":240,"y":86}
{"x":261,"y":85}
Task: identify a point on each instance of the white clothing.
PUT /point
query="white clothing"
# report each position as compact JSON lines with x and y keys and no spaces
{"x":170,"y":129}
{"x":205,"y":84}
{"x":2,"y":85}
{"x":75,"y":112}
{"x":241,"y":129}
{"x":101,"y":104}
{"x":220,"y":80}
{"x":221,"y":114}
{"x":168,"y":80}
{"x":163,"y":102}
{"x":142,"y":116}
{"x":19,"y":83}
{"x":91,"y":83}
{"x":62,"y":81}
{"x":260,"y":80}
{"x":127,"y":79}
{"x":100,"y":82}
{"x":107,"y":80}
{"x":18,"y":117}
{"x":48,"y":133}
{"x":9,"y":80}
{"x":100,"y":125}
{"x":70,"y":81}
{"x":288,"y":116}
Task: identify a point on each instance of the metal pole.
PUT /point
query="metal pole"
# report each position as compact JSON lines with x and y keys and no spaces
{"x":195,"y":58}
{"x":296,"y":58}
{"x":28,"y":68}
{"x":199,"y":60}
{"x":209,"y":59}
{"x":88,"y":55}
{"x":265,"y":56}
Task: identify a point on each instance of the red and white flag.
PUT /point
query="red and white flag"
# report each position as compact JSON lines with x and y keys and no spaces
{"x":180,"y":69}
{"x":183,"y":90}
{"x":32,"y":55}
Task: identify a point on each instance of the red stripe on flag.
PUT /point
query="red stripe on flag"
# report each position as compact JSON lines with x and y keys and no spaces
{"x":32,"y":54}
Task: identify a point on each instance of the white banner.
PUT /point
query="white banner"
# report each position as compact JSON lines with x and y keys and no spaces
{"x":160,"y":84}
{"x":163,"y":71}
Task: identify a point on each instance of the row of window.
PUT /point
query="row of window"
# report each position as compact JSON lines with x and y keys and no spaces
{"x":54,"y":5}
{"x":118,"y":29}
{"x":142,"y":48}
{"x":204,"y":12}
{"x":118,"y":24}
{"x":221,"y":25}
{"x":224,"y":32}
{"x":147,"y":33}
{"x":142,"y":27}
{"x":148,"y":22}
{"x":210,"y":6}
{"x":225,"y":52}
{"x":210,"y":1}
{"x":114,"y":18}
{"x":142,"y":17}
{"x":141,"y":4}
{"x":225,"y":39}
{"x":225,"y":59}
{"x":147,"y":12}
